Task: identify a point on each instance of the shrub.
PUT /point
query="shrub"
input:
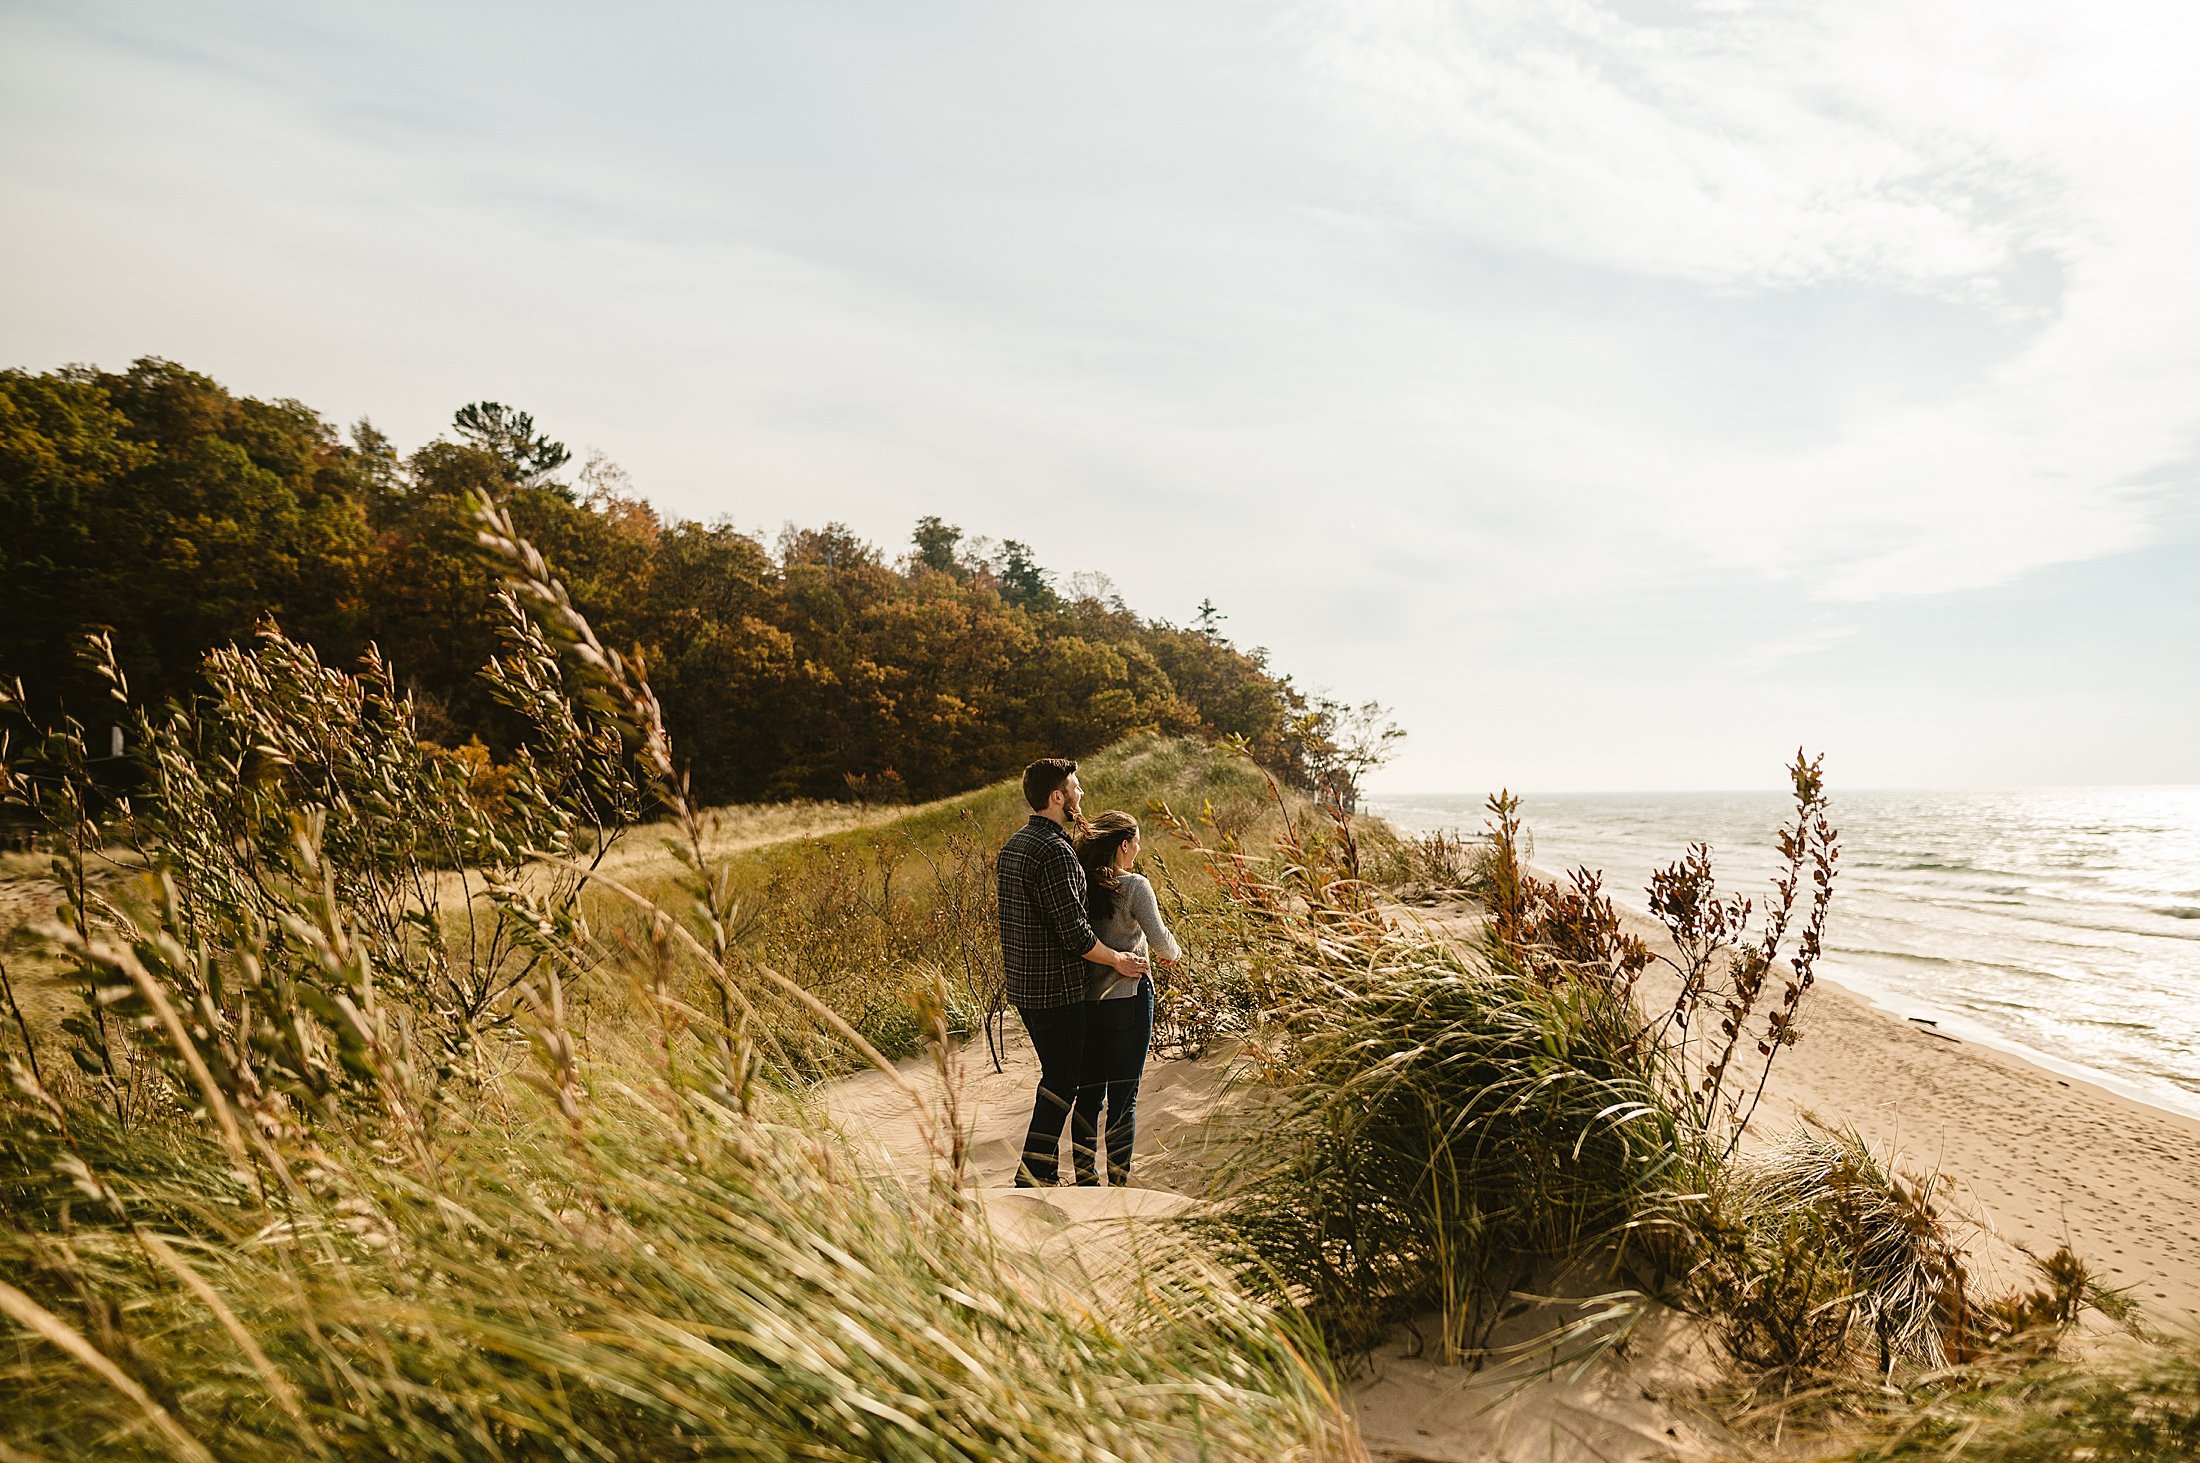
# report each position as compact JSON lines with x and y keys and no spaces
{"x":1449,"y":1129}
{"x":1458,"y":1120}
{"x":320,"y":872}
{"x":2121,"y":1403}
{"x":1815,"y":1240}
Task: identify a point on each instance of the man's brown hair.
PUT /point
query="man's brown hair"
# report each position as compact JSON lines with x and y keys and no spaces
{"x":1042,"y":777}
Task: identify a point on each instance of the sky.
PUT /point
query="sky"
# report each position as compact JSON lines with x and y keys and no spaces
{"x":1624,"y":394}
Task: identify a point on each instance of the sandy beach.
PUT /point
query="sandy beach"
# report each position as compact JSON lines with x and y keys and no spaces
{"x":2042,"y":1157}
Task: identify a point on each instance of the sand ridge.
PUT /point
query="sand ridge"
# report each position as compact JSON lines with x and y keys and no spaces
{"x":1628,"y":1406}
{"x":2037,"y":1156}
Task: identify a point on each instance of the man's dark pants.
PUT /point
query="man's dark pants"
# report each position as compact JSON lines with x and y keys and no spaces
{"x":1058,"y":1040}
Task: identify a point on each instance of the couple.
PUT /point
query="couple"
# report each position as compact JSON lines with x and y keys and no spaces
{"x":1077,"y":927}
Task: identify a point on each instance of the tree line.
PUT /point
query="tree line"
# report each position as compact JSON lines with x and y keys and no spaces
{"x":157,"y":506}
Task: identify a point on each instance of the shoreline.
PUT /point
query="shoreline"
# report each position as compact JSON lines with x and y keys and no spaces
{"x":1956,"y":1026}
{"x":2031,"y":1159}
{"x":2074,"y":955}
{"x":1953,"y":1025}
{"x":2037,"y":1156}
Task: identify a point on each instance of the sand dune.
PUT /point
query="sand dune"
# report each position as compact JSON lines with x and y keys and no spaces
{"x":2035,"y":1157}
{"x":1619,"y":1408}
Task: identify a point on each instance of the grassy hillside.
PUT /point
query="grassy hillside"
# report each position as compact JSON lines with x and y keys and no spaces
{"x":884,"y":913}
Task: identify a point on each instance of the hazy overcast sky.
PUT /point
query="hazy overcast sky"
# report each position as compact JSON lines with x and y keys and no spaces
{"x":1624,"y":393}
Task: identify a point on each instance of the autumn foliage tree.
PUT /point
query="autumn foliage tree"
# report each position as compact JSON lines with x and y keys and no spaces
{"x":160,"y":507}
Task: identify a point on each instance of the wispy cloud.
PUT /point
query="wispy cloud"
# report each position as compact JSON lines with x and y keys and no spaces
{"x":2034,"y":163}
{"x":1728,"y":145}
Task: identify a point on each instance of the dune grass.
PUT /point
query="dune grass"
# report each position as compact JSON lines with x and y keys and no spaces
{"x":884,"y":912}
{"x":2128,"y":1402}
{"x":873,"y":907}
{"x":663,"y":1278}
{"x":400,"y":1125}
{"x":1451,"y":1131}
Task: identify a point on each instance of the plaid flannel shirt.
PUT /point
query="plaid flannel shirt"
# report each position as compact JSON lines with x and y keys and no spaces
{"x":1044,"y":929}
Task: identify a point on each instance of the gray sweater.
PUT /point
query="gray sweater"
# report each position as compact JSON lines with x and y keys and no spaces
{"x":1134,"y":923}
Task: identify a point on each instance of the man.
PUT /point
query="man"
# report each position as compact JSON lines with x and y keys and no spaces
{"x":1047,"y":948}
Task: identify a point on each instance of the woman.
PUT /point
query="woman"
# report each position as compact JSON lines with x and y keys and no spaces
{"x":1119,"y":1010}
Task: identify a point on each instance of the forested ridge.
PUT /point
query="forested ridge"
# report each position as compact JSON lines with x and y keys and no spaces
{"x":158,"y":506}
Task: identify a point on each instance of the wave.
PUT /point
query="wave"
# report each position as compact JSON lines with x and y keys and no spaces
{"x":1908,"y":956}
{"x":2109,"y":1023}
{"x":2042,"y":917}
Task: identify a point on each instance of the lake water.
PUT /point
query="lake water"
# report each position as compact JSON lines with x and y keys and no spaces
{"x":2064,"y":922}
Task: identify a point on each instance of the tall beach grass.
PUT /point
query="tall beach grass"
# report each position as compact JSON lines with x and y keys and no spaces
{"x":396,"y":1122}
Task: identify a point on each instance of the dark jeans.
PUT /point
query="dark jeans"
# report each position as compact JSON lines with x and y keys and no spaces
{"x":1058,"y":1040}
{"x":1117,"y":1034}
